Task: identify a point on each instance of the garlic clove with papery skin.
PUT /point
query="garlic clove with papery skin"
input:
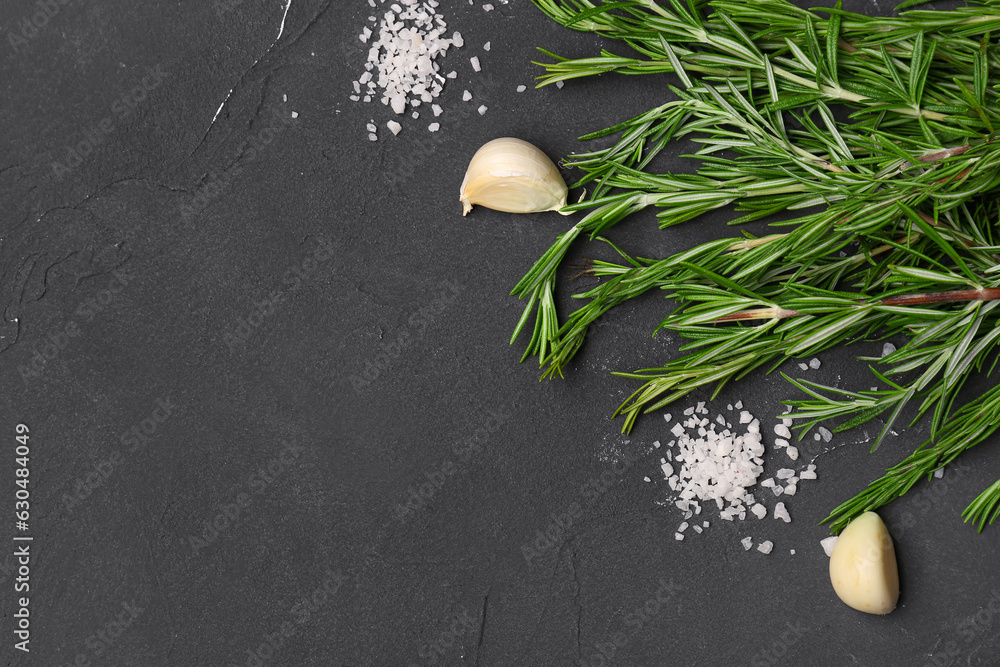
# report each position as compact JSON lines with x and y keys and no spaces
{"x":863,"y":566}
{"x":513,"y":176}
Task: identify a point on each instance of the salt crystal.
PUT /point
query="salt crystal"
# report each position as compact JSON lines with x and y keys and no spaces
{"x":807,"y":474}
{"x":681,"y":528}
{"x":678,"y":537}
{"x":803,"y":367}
{"x":792,"y":551}
{"x":486,"y":46}
{"x":939,"y":473}
{"x":828,"y":543}
{"x":415,"y":114}
{"x":747,"y":542}
{"x":475,"y":63}
{"x":373,"y":137}
{"x":769,"y":482}
{"x":437,"y":110}
{"x":785,"y":473}
{"x":783,"y":431}
{"x":759,"y":511}
{"x":646,"y":479}
{"x":466,"y":96}
{"x":371,"y":127}
{"x":284,"y":98}
{"x":559,"y":84}
{"x":434,"y":127}
{"x":888,"y":349}
{"x":745,"y":417}
{"x":781,"y":513}
{"x":780,"y":442}
{"x":667,"y":417}
{"x":482,"y":109}
{"x":790,"y":489}
{"x":739,"y":405}
{"x":793,"y":453}
{"x":825,"y":433}
{"x":697,"y":529}
{"x":452,"y":74}
{"x":814,"y":363}
{"x":488,"y":8}
{"x":705,"y":524}
{"x":765,"y":547}
{"x":521,"y":89}
{"x":816,"y":437}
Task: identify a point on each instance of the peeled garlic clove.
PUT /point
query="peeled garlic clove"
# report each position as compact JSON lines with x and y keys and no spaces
{"x":513,"y":176}
{"x":863,"y":566}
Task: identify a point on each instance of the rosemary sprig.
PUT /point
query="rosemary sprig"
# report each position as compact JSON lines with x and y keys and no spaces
{"x":894,"y":204}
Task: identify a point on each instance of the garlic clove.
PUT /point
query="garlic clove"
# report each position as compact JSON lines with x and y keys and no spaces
{"x":513,"y":176}
{"x":863,"y":566}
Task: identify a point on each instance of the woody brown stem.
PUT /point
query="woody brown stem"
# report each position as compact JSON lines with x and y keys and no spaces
{"x":950,"y":296}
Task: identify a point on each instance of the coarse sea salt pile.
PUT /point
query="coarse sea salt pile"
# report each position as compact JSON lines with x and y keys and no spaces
{"x":403,"y":69}
{"x":710,"y":462}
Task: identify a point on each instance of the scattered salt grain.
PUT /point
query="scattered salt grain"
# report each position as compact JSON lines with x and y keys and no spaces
{"x":466,"y":96}
{"x":372,"y":137}
{"x":646,"y":479}
{"x":807,"y":474}
{"x":667,"y":417}
{"x":559,"y":84}
{"x":826,"y":434}
{"x":817,"y":437}
{"x":803,"y":367}
{"x":371,"y":127}
{"x":433,"y":127}
{"x":765,"y":547}
{"x":781,"y":513}
{"x":767,"y":483}
{"x":781,"y":442}
{"x":697,"y":529}
{"x":284,"y":98}
{"x":705,"y":524}
{"x":888,"y":349}
{"x":475,"y":63}
{"x":678,"y":537}
{"x":521,"y":89}
{"x":814,"y":363}
{"x":793,"y":453}
{"x":486,"y":46}
{"x":451,"y":75}
{"x":783,"y":431}
{"x":745,"y":417}
{"x":681,"y":528}
{"x":747,"y":543}
{"x":415,"y":114}
{"x":488,"y":8}
{"x":482,"y":109}
{"x":437,"y":110}
{"x":394,"y":127}
{"x":759,"y":511}
{"x":828,"y":543}
{"x":790,"y":489}
{"x":792,"y":551}
{"x":939,"y":473}
{"x":739,"y":405}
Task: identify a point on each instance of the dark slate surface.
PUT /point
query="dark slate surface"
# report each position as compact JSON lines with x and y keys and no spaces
{"x":185,"y":305}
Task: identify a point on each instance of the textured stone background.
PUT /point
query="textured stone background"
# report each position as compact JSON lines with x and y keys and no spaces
{"x":185,"y":305}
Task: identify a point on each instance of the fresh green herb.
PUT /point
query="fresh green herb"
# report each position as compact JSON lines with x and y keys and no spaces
{"x":878,"y":133}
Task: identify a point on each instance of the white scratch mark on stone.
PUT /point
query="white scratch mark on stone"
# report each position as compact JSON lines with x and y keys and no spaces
{"x":281,"y":31}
